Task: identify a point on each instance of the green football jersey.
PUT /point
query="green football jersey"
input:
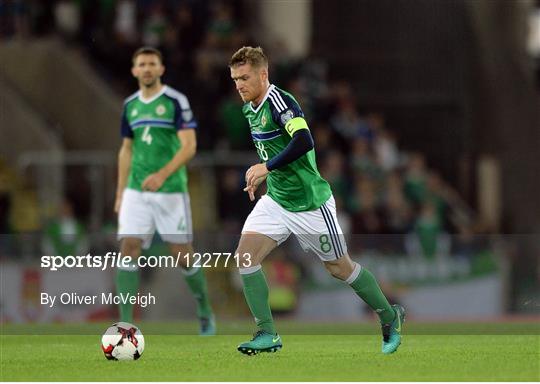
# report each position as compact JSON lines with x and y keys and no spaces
{"x":297,"y":186}
{"x":152,"y":125}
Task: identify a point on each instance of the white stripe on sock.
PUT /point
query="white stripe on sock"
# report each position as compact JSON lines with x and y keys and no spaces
{"x":190,"y":272}
{"x":130,"y":268}
{"x":248,"y":270}
{"x":354,"y":274}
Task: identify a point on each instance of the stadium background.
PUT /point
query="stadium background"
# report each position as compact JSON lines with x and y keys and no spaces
{"x":425,"y":119}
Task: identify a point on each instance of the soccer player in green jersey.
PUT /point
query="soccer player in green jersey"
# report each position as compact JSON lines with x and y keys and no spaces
{"x":298,"y":201}
{"x":158,"y":130}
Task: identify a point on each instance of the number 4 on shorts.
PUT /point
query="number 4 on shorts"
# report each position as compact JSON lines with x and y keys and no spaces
{"x":181,"y":225}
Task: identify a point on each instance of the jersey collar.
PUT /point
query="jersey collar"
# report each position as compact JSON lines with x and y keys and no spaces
{"x":148,"y":101}
{"x":270,"y":88}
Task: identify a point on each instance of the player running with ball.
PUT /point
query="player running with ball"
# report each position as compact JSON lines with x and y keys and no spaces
{"x":298,"y":201}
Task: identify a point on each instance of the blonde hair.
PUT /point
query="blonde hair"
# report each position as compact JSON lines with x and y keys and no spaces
{"x":249,"y":55}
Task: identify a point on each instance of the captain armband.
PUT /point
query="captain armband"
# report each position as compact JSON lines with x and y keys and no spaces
{"x":295,"y":124}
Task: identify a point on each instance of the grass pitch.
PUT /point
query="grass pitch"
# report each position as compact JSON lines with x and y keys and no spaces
{"x":319,"y":357}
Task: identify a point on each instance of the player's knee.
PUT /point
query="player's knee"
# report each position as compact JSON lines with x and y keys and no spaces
{"x":182,"y":250}
{"x":339,"y":270}
{"x":336,"y":272}
{"x":252,"y":249}
{"x":246,"y":255}
{"x":246,"y":258}
{"x":131,"y":247}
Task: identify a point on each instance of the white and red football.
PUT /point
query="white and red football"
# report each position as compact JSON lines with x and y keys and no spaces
{"x":122,"y":341}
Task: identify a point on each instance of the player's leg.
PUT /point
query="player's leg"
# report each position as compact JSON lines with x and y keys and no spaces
{"x":364,"y":284}
{"x":262,"y":232}
{"x":320,"y":231}
{"x":362,"y":281}
{"x":252,"y":249}
{"x":135,"y":231}
{"x":196,"y":281}
{"x":172,"y":214}
{"x":366,"y":287}
{"x":127,"y":279}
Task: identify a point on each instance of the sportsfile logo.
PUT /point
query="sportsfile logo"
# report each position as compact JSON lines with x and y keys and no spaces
{"x":110,"y":259}
{"x":114,"y":260}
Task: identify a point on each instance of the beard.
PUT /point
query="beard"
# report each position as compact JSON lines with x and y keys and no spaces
{"x":150,"y":82}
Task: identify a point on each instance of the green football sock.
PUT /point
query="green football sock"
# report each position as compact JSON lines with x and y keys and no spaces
{"x":127,"y":282}
{"x":365,"y":285}
{"x":256,"y":293}
{"x":196,"y":281}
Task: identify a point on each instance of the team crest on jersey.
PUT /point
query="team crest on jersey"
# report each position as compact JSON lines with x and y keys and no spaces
{"x":134,"y":113}
{"x":286,"y":116}
{"x":160,"y":109}
{"x":263,"y":121}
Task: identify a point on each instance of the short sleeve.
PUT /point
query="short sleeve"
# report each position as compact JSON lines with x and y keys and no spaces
{"x":183,"y":116}
{"x":125,"y":128}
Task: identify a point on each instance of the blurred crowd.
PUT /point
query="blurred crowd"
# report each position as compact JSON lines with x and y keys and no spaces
{"x":379,"y":188}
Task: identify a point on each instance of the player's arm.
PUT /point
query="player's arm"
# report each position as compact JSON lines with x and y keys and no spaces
{"x":186,"y":152}
{"x":124,"y":165}
{"x":300,"y":144}
{"x":124,"y":159}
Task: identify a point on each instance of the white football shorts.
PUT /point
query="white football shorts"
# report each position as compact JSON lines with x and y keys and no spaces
{"x":317,"y":230}
{"x":141,"y":213}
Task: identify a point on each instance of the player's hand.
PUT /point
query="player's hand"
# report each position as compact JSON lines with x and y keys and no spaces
{"x":252,"y":188}
{"x":254,"y":172}
{"x":153,"y":182}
